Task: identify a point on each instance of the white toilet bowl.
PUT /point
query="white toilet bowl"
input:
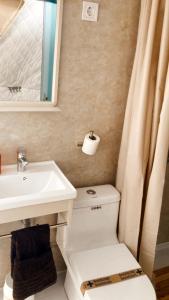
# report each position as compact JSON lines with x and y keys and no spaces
{"x":102,"y":262}
{"x":8,"y":289}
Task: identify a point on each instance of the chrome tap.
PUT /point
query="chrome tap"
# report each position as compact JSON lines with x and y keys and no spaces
{"x":21,"y":160}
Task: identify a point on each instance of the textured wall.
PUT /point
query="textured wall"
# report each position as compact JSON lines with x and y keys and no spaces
{"x":163,"y":234}
{"x":96,"y":62}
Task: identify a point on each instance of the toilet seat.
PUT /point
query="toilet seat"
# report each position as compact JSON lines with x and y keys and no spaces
{"x":101,"y":262}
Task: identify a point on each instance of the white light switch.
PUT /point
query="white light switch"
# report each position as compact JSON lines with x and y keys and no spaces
{"x":90,"y":11}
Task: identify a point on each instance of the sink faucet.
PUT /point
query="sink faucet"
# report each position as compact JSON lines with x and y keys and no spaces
{"x":21,"y":160}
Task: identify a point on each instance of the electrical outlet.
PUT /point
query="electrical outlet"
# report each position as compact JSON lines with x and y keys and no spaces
{"x":90,"y":11}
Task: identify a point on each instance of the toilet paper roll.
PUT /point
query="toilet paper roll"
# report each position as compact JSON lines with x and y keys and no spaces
{"x":90,"y":144}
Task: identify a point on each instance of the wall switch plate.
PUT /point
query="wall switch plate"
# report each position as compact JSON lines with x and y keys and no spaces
{"x":90,"y":11}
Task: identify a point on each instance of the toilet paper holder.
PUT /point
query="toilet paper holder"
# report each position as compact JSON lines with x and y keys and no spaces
{"x":92,"y":137}
{"x":80,"y":144}
{"x":90,"y":143}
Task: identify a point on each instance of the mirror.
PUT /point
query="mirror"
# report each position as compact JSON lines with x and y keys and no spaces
{"x":29,"y":52}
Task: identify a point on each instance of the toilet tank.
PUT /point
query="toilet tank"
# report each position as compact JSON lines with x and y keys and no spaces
{"x":94,"y":218}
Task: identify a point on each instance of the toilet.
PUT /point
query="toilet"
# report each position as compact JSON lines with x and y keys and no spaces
{"x":98,"y":266}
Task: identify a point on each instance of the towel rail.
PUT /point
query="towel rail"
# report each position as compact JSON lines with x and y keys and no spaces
{"x":4,"y":236}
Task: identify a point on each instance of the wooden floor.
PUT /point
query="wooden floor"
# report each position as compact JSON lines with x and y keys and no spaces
{"x":161,"y":277}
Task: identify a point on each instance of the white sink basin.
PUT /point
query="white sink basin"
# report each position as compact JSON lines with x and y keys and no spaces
{"x":41,"y":183}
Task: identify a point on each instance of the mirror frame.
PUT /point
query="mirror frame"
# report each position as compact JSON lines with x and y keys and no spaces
{"x":20,"y":106}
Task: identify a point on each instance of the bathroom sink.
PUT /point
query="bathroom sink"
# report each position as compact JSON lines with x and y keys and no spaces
{"x":41,"y":183}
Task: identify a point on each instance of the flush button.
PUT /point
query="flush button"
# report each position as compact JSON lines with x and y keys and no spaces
{"x":91,"y":192}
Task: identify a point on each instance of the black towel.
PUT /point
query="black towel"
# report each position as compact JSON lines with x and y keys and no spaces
{"x":32,"y":264}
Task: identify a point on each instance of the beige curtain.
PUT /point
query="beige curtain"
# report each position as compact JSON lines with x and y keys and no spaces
{"x":145,"y":139}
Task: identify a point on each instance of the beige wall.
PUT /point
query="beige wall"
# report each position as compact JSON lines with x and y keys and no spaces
{"x":163,"y":234}
{"x":96,"y":62}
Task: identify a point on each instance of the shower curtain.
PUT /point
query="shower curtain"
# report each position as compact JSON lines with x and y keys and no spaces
{"x":145,"y":138}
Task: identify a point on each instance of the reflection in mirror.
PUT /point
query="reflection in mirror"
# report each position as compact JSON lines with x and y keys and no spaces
{"x":27,"y":44}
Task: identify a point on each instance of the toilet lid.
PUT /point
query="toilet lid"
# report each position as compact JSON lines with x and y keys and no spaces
{"x":101,"y":262}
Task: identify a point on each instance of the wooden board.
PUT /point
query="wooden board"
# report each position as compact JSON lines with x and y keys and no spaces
{"x":161,"y":278}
